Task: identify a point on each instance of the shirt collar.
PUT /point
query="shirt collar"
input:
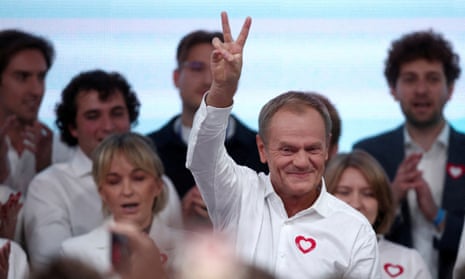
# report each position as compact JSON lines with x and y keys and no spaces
{"x":442,"y":138}
{"x":80,"y":163}
{"x":320,"y":205}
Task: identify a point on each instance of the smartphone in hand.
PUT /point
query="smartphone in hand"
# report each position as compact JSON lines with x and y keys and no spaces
{"x":119,"y":251}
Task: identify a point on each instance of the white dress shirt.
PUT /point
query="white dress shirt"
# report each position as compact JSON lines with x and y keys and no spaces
{"x":401,"y":262}
{"x":94,"y":248}
{"x":433,"y":165}
{"x":63,"y":202}
{"x":17,"y":261}
{"x":328,"y":240}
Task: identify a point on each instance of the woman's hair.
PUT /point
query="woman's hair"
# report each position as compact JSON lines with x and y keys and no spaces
{"x":138,"y":150}
{"x":374,"y":174}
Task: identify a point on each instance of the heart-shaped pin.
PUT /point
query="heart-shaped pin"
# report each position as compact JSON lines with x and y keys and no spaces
{"x":305,"y":244}
{"x":455,"y":171}
{"x":393,"y":270}
{"x":163,"y":258}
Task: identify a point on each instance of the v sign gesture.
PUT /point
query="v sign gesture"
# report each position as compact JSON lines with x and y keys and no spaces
{"x":226,"y":64}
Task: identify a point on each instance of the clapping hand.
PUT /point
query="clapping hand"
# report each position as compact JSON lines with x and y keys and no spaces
{"x":9,"y":214}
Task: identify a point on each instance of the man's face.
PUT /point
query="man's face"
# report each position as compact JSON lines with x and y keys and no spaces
{"x":194,"y":78}
{"x":97,"y":119}
{"x":22,"y":85}
{"x":296,"y":152}
{"x":422,"y":92}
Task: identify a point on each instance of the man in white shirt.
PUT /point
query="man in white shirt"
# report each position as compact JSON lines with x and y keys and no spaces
{"x":425,"y":156}
{"x":27,"y":145}
{"x":63,"y":201}
{"x":285,"y":222}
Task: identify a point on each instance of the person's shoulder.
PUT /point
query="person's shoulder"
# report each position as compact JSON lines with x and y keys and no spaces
{"x":385,"y":245}
{"x":340,"y":207}
{"x":379,"y":138}
{"x":49,"y":177}
{"x":242,"y":131}
{"x":457,"y":135}
{"x":97,"y":236}
{"x":163,"y":131}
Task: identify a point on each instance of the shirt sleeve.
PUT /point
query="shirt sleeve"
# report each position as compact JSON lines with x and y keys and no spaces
{"x":214,"y":171}
{"x":365,"y":256}
{"x":46,"y":222}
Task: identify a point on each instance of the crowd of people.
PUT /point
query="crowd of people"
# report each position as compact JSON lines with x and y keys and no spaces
{"x":205,"y":196}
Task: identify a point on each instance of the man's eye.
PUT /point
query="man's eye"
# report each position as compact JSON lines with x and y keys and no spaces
{"x":195,"y":66}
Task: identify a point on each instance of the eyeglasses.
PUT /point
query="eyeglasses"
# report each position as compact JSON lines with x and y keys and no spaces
{"x":195,"y":66}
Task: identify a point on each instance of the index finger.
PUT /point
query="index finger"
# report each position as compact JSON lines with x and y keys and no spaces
{"x":227,"y":36}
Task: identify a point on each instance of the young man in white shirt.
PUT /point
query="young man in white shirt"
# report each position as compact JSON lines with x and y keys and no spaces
{"x":285,"y":222}
{"x":425,"y":156}
{"x":63,"y":200}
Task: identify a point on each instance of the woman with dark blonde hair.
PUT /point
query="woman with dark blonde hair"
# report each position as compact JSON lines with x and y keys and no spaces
{"x":129,"y":177}
{"x":358,"y":179}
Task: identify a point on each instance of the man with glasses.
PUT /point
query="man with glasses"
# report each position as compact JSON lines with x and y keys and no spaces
{"x":193,"y":78}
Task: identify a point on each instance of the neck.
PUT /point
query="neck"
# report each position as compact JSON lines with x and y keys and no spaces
{"x":425,"y":136}
{"x":295,"y":204}
{"x":187,"y":118}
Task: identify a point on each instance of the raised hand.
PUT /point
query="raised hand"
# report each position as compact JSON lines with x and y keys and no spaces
{"x":9,"y":215}
{"x":4,"y":162}
{"x":407,"y":176}
{"x":39,"y":139}
{"x":144,"y":257}
{"x":226,"y":63}
{"x":194,"y":210}
{"x":4,"y":260}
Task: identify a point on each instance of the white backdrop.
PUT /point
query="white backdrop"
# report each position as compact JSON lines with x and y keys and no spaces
{"x":336,"y":48}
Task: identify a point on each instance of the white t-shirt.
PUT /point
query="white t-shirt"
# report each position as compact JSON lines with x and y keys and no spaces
{"x":401,"y":262}
{"x":328,"y":240}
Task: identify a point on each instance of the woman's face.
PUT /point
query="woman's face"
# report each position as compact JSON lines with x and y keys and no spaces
{"x":129,"y":192}
{"x":353,"y":188}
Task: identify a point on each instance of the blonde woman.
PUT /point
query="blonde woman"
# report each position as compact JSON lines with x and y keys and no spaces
{"x":129,"y":177}
{"x":358,"y":179}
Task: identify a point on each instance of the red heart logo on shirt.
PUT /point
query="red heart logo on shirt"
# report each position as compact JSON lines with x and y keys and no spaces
{"x":163,"y":258}
{"x":455,"y":171}
{"x":393,"y":270}
{"x":305,"y":244}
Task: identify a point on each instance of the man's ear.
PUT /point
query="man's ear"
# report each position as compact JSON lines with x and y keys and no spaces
{"x":261,"y":149}
{"x":393,"y":92}
{"x":176,"y":75}
{"x":450,"y":91}
{"x":72,"y":130}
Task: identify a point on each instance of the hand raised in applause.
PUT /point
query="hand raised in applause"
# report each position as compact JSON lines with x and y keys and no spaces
{"x":9,"y":215}
{"x":39,"y":139}
{"x":194,"y":210}
{"x":4,"y":260}
{"x":4,"y":162}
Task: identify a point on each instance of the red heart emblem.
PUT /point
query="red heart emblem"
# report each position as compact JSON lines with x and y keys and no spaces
{"x":304,"y":244}
{"x":393,"y":270}
{"x":455,"y":171}
{"x":163,"y":258}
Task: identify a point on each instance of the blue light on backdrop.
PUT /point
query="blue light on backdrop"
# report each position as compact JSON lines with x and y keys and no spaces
{"x":336,"y":48}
